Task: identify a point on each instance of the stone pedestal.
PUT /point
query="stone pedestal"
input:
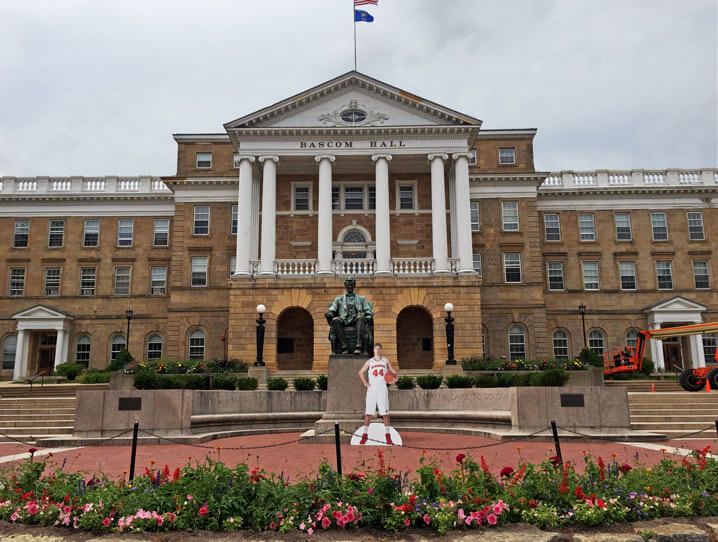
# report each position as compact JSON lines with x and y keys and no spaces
{"x":258,"y":372}
{"x":450,"y":370}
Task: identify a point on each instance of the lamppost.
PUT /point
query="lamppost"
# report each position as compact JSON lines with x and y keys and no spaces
{"x":582,"y":312}
{"x":261,"y":309}
{"x":128,"y":314}
{"x":449,"y":308}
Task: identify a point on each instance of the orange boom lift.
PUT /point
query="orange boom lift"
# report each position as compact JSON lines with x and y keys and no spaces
{"x":630,"y":359}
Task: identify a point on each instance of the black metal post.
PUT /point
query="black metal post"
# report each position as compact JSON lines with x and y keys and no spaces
{"x":260,"y":340}
{"x":582,"y":312}
{"x":716,"y":426}
{"x":128,"y":314}
{"x":133,"y":453}
{"x":450,"y":338}
{"x":338,"y":447}
{"x":556,"y":442}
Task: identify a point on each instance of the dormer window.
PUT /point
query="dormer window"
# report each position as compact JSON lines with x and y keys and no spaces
{"x":353,"y":116}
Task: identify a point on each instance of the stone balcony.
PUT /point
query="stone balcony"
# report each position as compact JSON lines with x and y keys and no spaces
{"x":82,"y":186}
{"x":360,"y":267}
{"x":636,"y":178}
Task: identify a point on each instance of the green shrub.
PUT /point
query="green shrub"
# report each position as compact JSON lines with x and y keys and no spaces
{"x":648,"y":367}
{"x":69,"y":370}
{"x":474,"y":363}
{"x":146,"y":379}
{"x":224,"y":382}
{"x":277,"y":384}
{"x":322,"y":382}
{"x":535,"y":379}
{"x":525,"y":379}
{"x":405,"y":383}
{"x":123,"y":358}
{"x":304,"y":384}
{"x":554,"y":377}
{"x":94,"y":377}
{"x":227,"y":366}
{"x":247,"y":383}
{"x":485,"y":381}
{"x":589,"y":357}
{"x":429,"y":382}
{"x":459,"y":381}
{"x":505,"y":380}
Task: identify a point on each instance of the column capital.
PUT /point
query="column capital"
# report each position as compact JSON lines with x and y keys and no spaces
{"x":321,"y":157}
{"x":265,"y":158}
{"x":247,"y":157}
{"x":375,"y":157}
{"x":434,"y":156}
{"x":458,"y":155}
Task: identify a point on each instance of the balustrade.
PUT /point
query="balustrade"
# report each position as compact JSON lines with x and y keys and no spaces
{"x":60,"y":185}
{"x":355,"y":266}
{"x":295,"y":268}
{"x":413,"y":266}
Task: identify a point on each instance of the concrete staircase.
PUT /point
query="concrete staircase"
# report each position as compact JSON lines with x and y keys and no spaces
{"x":675,"y":413}
{"x":640,"y":385}
{"x":41,"y":412}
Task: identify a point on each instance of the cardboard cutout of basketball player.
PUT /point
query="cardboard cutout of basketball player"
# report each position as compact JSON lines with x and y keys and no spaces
{"x":379,"y":371}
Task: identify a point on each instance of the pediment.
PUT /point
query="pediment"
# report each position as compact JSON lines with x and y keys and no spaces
{"x":376,"y":104}
{"x":40,"y":312}
{"x":676,"y":304}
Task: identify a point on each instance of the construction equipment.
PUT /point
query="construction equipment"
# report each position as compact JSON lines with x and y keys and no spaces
{"x":630,"y":359}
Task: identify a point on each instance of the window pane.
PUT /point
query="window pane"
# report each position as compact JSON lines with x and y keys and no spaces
{"x":234,"y":219}
{"x":353,"y":197}
{"x":118,"y":344}
{"x":659,"y":225}
{"x":664,"y":274}
{"x":22,"y":233}
{"x":301,"y":198}
{"x":695,"y":226}
{"x":507,"y":155}
{"x":154,"y":347}
{"x":700,"y":274}
{"x":510,"y":215}
{"x":204,"y":160}
{"x":57,"y":233}
{"x":83,"y":347}
{"x":92,"y":233}
{"x":159,"y":281}
{"x":122,"y":280}
{"x":372,"y":198}
{"x":52,"y":281}
{"x":710,"y":343}
{"x":17,"y":281}
{"x":124,"y":233}
{"x":162,"y":232}
{"x":632,"y":337}
{"x":475,"y":218}
{"x":590,"y":275}
{"x":627,"y":272}
{"x":623,"y":227}
{"x":87,"y":281}
{"x":406,"y":196}
{"x":201,"y":220}
{"x":512,"y":267}
{"x":8,"y":352}
{"x":586,"y":227}
{"x":597,"y":342}
{"x":552,"y":227}
{"x":336,"y":198}
{"x":560,"y":345}
{"x":477,"y":262}
{"x":555,"y":275}
{"x":199,"y":270}
{"x":196,"y":344}
{"x":517,"y":343}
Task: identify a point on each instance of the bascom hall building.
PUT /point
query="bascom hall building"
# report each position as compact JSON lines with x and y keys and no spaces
{"x":354,"y":177}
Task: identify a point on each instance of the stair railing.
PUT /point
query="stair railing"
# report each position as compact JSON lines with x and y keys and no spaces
{"x":41,"y":375}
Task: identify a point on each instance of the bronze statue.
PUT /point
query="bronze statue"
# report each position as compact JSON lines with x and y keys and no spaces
{"x":350,"y":320}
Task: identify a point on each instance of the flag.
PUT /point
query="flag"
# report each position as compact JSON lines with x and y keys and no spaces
{"x":365,"y":2}
{"x":361,"y":16}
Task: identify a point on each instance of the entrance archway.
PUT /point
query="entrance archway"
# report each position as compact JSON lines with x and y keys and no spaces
{"x":295,"y":339}
{"x":415,"y":338}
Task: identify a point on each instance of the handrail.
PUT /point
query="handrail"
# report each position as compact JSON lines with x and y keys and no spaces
{"x":41,"y":375}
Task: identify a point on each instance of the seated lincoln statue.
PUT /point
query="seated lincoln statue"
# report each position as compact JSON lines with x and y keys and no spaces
{"x":350,"y":320}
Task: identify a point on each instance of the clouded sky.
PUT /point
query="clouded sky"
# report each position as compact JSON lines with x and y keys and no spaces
{"x":97,"y":87}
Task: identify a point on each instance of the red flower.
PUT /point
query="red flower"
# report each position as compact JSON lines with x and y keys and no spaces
{"x":460,"y":458}
{"x":326,"y":522}
{"x":625,"y":468}
{"x":485,"y":466}
{"x":580,"y":495}
{"x":176,"y":474}
{"x":203,"y":510}
{"x":32,"y":450}
{"x":602,"y":469}
{"x":554,"y":460}
{"x":506,"y":472}
{"x":407,"y":522}
{"x":563,"y":489}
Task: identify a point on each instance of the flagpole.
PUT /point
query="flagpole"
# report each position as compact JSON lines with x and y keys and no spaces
{"x":355,"y":34}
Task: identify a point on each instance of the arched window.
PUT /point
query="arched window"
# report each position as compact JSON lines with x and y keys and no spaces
{"x":117,"y":345}
{"x":560,"y":345}
{"x":710,"y":343}
{"x":83,"y":345}
{"x":196,"y":344}
{"x":9,"y":346}
{"x":597,"y":341}
{"x":354,"y":236}
{"x":517,"y":343}
{"x":632,"y":337}
{"x":354,"y":245}
{"x":154,"y":347}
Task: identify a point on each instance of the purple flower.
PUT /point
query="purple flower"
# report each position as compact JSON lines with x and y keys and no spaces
{"x":632,"y":495}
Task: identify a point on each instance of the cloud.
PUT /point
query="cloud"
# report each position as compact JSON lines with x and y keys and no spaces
{"x":94,"y":88}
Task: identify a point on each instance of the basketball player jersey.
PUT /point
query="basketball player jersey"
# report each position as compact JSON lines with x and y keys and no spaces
{"x":377,"y":370}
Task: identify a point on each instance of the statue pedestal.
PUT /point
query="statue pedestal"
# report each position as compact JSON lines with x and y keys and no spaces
{"x":258,"y":372}
{"x":346,"y":397}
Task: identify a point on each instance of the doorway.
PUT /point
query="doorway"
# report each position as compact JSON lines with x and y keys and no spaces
{"x":673,"y":353}
{"x":46,"y":353}
{"x":415,"y":338}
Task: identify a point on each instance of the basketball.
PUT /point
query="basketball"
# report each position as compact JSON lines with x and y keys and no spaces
{"x":389,"y":378}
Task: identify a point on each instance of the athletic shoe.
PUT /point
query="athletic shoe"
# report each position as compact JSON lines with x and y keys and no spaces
{"x":388,"y":440}
{"x":364,"y":438}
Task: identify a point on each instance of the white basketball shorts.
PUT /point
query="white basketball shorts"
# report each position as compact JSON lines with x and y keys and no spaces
{"x":377,"y":398}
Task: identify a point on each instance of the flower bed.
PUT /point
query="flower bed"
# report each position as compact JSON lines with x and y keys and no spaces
{"x":214,"y":496}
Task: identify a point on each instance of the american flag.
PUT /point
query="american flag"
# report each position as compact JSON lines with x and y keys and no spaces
{"x":365,"y":2}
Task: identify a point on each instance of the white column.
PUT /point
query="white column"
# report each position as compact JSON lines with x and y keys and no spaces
{"x":254,"y":251}
{"x":383,"y":237}
{"x":698,"y":358}
{"x":244,"y":218}
{"x":59,"y":347}
{"x":269,"y":213}
{"x":463,"y":213}
{"x":324,"y":235}
{"x":657,"y":350}
{"x":20,"y":359}
{"x":438,"y":214}
{"x":452,"y":213}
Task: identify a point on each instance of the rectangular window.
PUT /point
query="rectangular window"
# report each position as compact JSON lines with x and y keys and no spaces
{"x":552,"y":226}
{"x":353,"y":198}
{"x":623,"y":226}
{"x":235,"y":215}
{"x":232,"y":264}
{"x":336,"y":198}
{"x":22,"y":233}
{"x":475,"y":217}
{"x":590,"y":275}
{"x":201,"y":220}
{"x":88,"y":276}
{"x":125,"y":229}
{"x":204,"y":160}
{"x":586,"y":227}
{"x":82,"y":351}
{"x":372,"y":197}
{"x":477,"y":262}
{"x":52,"y":281}
{"x":162,"y":232}
{"x":301,"y":197}
{"x":510,"y":215}
{"x":406,"y":197}
{"x":664,"y":275}
{"x":512,"y":267}
{"x":235,"y":160}
{"x":159,"y":281}
{"x":507,"y":156}
{"x":57,"y":233}
{"x":659,"y":225}
{"x":91,"y":237}
{"x":199,"y":271}
{"x":695,"y":226}
{"x":17,"y":281}
{"x":627,"y":274}
{"x":122,"y":280}
{"x":700,"y":274}
{"x":472,"y":158}
{"x":555,"y":276}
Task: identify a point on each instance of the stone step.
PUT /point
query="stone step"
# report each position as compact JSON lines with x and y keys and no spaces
{"x":687,"y":417}
{"x":37,"y":431}
{"x":34,"y":424}
{"x":676,"y":426}
{"x":29,"y":439}
{"x":39,"y":417}
{"x":37,"y":411}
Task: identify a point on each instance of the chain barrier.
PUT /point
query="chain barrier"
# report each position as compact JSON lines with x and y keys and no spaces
{"x":711,"y":428}
{"x":41,"y":447}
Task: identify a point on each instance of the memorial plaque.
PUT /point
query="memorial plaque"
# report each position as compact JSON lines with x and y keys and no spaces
{"x":129,"y":403}
{"x":572,"y":400}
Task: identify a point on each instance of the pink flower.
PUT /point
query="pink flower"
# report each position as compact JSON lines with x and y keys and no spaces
{"x":370,"y":490}
{"x":171,"y":516}
{"x":460,"y":514}
{"x":492,"y":519}
{"x":349,"y":517}
{"x":15,"y":516}
{"x":336,"y":514}
{"x":32,"y":508}
{"x":203,"y":510}
{"x":498,"y":509}
{"x":426,"y":519}
{"x":106,"y":523}
{"x":340,"y":521}
{"x":67,"y":510}
{"x":190,"y":497}
{"x":326,"y":522}
{"x":159,"y":520}
{"x":310,"y":531}
{"x":301,"y":526}
{"x":407,"y":522}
